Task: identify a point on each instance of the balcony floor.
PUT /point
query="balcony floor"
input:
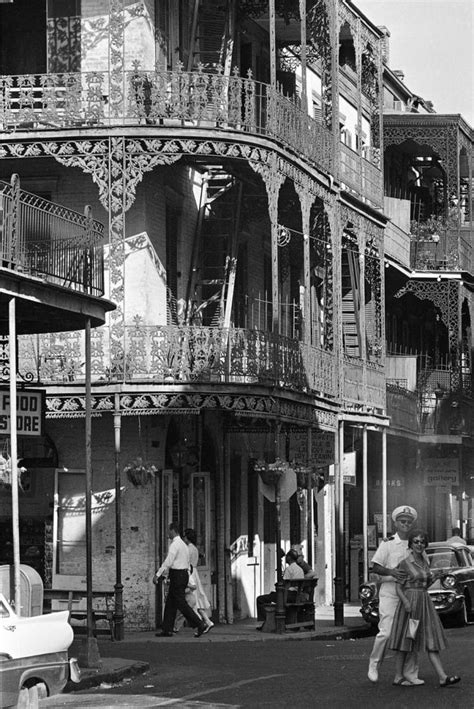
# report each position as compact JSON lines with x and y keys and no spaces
{"x":43,"y":307}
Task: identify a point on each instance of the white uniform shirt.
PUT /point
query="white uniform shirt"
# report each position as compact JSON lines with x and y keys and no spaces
{"x":390,"y":554}
{"x":293,"y":571}
{"x":178,"y":557}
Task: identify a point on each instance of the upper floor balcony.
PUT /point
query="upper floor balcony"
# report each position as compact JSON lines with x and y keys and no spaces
{"x":167,"y":99}
{"x":441,"y":248}
{"x":49,"y":242}
{"x":361,"y":174}
{"x":363,"y":385}
{"x":183,"y":355}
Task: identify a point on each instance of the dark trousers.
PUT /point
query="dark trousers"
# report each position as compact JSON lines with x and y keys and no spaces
{"x":267,"y":598}
{"x":176,"y":601}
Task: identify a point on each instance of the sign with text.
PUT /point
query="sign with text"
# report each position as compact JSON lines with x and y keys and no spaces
{"x":348,"y":468}
{"x":322,"y":448}
{"x":29,"y":415}
{"x":440,"y":472}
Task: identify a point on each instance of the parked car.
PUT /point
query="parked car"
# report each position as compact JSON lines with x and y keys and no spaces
{"x":34,"y":659}
{"x":452,"y":594}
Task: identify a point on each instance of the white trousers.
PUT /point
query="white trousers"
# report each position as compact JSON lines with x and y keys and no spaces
{"x":388,"y":602}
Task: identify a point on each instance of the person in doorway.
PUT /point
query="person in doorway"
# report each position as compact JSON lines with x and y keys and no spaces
{"x":176,"y":565}
{"x":384,"y":563}
{"x":195,"y":594}
{"x":416,"y":604}
{"x":292,"y":571}
{"x":456,"y":537}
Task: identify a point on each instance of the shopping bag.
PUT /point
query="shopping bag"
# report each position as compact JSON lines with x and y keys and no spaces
{"x":412,"y":628}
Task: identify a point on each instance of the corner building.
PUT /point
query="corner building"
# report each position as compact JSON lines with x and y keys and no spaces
{"x":234,"y":152}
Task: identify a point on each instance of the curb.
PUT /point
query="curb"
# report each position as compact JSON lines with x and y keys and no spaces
{"x":94,"y":678}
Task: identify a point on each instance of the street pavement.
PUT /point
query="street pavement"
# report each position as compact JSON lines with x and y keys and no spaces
{"x":236,"y":666}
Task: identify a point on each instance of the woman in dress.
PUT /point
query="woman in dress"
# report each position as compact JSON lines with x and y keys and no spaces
{"x":416,"y":603}
{"x":203,"y":606}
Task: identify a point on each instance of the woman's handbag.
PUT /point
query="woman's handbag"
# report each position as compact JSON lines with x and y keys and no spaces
{"x":412,"y":628}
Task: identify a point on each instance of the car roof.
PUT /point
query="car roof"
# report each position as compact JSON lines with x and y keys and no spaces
{"x":447,"y":545}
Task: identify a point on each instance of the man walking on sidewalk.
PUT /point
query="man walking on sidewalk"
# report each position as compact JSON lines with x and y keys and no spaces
{"x":176,"y":565}
{"x":384,"y":562}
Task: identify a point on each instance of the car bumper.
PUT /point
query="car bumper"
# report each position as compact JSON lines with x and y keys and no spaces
{"x":447,"y":602}
{"x":369,"y":615}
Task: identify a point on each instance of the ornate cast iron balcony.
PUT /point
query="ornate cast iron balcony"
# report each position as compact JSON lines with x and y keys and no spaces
{"x":48,"y":241}
{"x":162,"y":98}
{"x":185,"y":355}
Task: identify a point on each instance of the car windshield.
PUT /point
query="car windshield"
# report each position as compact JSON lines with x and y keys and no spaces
{"x":442,"y":558}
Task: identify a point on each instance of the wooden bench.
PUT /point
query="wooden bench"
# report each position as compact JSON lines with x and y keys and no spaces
{"x":103,"y":607}
{"x":299,"y":613}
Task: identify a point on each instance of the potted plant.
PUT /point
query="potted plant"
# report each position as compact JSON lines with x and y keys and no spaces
{"x":139,"y":472}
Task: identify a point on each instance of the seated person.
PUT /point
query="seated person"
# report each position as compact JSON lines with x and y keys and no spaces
{"x":292,"y":571}
{"x":309,"y":573}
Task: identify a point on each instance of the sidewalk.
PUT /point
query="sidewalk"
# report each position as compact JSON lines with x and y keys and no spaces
{"x":115,"y":669}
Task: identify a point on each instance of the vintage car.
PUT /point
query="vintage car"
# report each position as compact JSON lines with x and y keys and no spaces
{"x":452,"y":594}
{"x":34,"y":659}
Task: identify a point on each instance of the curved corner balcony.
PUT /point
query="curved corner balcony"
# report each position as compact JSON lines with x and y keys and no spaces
{"x":163,"y":99}
{"x":180,"y":355}
{"x":49,"y":242}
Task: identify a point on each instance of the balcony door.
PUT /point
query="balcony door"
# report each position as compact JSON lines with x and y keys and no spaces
{"x":23,"y":37}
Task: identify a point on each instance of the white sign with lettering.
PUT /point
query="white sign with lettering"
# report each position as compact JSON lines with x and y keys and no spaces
{"x":440,"y":472}
{"x":29,"y":415}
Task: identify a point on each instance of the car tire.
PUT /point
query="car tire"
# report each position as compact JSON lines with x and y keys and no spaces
{"x":42,"y":690}
{"x":460,"y":619}
{"x":23,"y":699}
{"x":33,"y":696}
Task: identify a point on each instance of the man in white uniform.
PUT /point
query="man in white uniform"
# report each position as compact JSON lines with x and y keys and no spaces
{"x":384,"y":562}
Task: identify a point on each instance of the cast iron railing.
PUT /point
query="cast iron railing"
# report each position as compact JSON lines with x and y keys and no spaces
{"x":48,"y":241}
{"x":181,"y":355}
{"x":48,"y":101}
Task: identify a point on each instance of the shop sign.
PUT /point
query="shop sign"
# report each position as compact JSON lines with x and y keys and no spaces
{"x":348,"y":468}
{"x":440,"y":472}
{"x":322,"y":448}
{"x":30,"y":412}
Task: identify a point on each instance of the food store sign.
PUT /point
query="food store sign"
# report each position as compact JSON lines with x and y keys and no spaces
{"x":29,"y":415}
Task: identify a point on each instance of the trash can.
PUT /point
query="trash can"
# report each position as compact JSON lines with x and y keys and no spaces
{"x":31,"y":589}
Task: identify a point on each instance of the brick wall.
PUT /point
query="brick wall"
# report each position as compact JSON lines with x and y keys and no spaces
{"x":139,"y":516}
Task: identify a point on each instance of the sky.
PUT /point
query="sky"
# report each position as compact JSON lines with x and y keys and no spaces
{"x":432,"y":41}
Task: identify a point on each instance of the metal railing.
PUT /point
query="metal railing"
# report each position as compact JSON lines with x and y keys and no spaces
{"x":184,"y":354}
{"x":46,"y":240}
{"x":362,"y":174}
{"x":52,"y":101}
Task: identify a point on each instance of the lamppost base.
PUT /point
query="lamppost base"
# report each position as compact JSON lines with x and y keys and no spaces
{"x":280,"y":614}
{"x":88,"y":655}
{"x":118,"y":614}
